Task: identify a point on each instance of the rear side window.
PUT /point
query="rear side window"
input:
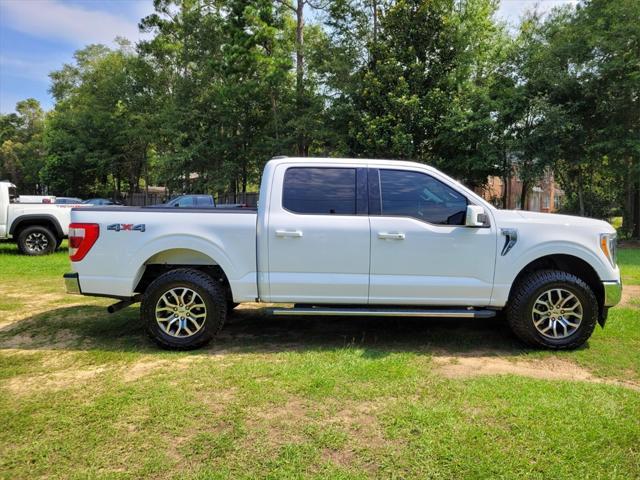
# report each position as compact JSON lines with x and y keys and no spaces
{"x":205,"y":200}
{"x":418,"y":195}
{"x":320,"y":190}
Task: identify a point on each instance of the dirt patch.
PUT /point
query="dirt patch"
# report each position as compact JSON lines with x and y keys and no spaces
{"x":25,"y":385}
{"x":342,"y":458}
{"x":141,"y":369}
{"x":630,"y":296}
{"x":144,"y":368}
{"x":548,"y":369}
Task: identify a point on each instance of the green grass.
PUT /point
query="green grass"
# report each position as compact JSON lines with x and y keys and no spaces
{"x":84,"y":394}
{"x":629,"y":260}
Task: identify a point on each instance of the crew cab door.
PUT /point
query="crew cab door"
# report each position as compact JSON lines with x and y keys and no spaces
{"x":318,"y":234}
{"x":421,"y":252}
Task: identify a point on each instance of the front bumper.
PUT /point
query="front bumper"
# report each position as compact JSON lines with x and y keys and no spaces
{"x":612,"y":293}
{"x":72,"y":283}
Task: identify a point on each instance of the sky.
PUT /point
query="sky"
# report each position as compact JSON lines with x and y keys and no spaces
{"x":38,"y":36}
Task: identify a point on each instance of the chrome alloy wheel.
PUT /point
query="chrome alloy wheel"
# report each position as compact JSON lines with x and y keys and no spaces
{"x":181,"y":312}
{"x":557,"y":313}
{"x":37,"y":242}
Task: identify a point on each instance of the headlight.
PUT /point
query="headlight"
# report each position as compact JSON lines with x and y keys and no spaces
{"x":609,"y":246}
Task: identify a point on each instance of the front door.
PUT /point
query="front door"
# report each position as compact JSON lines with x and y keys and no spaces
{"x":421,"y":252}
{"x":318,"y":235}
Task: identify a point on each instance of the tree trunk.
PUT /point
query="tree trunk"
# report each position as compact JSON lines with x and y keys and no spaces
{"x":375,"y":30}
{"x":302,"y":150}
{"x":244,"y":177}
{"x":627,"y":209}
{"x":635,"y":211}
{"x":506,"y":179}
{"x":523,"y":195}
{"x":580,"y":191}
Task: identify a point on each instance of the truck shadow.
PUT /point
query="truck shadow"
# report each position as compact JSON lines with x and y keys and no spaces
{"x":251,"y":330}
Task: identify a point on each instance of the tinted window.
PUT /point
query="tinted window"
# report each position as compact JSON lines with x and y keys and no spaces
{"x":414,"y":194}
{"x":186,"y":201}
{"x":205,"y":200}
{"x":320,"y":190}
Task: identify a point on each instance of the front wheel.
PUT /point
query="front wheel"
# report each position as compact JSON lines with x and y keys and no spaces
{"x":183,"y":309}
{"x":552,"y":309}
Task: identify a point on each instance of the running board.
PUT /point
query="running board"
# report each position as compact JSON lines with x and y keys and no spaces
{"x":386,"y":312}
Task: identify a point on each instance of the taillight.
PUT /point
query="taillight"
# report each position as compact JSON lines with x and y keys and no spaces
{"x":82,"y":236}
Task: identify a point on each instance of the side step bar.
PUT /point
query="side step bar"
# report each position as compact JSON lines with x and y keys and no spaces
{"x":384,"y":312}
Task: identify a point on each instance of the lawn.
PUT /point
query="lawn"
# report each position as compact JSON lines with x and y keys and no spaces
{"x":84,"y":394}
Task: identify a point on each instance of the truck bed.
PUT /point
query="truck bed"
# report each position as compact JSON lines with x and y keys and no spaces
{"x":133,"y":236}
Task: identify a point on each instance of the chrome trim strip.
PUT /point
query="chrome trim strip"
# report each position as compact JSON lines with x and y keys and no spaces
{"x":612,"y":292}
{"x":364,"y":312}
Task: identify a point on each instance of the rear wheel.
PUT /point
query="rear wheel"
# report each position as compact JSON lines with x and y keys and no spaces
{"x":553,"y":309}
{"x":183,"y":309}
{"x":37,"y":240}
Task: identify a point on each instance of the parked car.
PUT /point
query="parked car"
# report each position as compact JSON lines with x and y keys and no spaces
{"x":190,"y":201}
{"x":351,"y":238}
{"x":37,"y":228}
{"x":68,"y":201}
{"x":101,"y":202}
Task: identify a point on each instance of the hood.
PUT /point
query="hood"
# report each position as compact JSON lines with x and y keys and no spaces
{"x":519,"y":216}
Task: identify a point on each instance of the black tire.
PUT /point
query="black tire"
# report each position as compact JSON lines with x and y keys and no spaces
{"x":520,"y":309}
{"x":37,"y":240}
{"x":211,"y":293}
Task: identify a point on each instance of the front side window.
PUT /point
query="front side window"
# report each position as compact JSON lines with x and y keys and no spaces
{"x":418,"y":195}
{"x":327,"y":191}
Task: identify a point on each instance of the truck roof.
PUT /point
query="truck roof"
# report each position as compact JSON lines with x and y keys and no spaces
{"x":364,"y":161}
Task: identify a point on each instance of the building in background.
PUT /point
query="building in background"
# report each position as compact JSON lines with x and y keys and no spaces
{"x":545,"y":196}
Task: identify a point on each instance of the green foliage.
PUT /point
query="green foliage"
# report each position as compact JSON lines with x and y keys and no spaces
{"x":21,"y":148}
{"x":99,"y":135}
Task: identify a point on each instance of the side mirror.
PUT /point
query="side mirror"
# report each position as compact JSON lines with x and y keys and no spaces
{"x":176,"y":204}
{"x":476,"y":216}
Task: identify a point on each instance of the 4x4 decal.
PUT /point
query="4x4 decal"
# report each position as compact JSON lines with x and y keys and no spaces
{"x":127,"y":227}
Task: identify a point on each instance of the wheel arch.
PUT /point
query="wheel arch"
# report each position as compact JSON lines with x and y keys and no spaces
{"x":43,"y":220}
{"x":566,"y":263}
{"x":175,"y":258}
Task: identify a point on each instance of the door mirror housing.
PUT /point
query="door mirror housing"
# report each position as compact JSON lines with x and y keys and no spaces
{"x":476,"y":217}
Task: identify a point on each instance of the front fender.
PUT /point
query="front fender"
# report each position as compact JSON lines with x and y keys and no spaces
{"x":508,"y":267}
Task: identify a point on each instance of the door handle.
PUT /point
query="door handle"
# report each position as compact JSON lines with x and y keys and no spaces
{"x":289,"y":233}
{"x":391,"y":236}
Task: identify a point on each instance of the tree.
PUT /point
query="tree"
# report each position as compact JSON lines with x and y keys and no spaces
{"x":21,"y":148}
{"x":98,"y":136}
{"x":421,"y":93}
{"x":222,"y":89}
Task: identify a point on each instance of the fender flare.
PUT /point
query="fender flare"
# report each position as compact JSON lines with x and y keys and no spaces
{"x":36,"y":219}
{"x":187,"y":242}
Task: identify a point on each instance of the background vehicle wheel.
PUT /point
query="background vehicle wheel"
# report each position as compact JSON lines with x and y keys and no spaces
{"x":37,"y":240}
{"x":552,"y":309}
{"x":183,"y":309}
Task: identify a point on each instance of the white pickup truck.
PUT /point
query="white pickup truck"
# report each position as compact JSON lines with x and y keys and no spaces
{"x":37,"y":228}
{"x":350,"y":238}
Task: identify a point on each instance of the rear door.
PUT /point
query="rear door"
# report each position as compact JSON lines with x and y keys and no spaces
{"x":421,"y":252}
{"x":318,"y":235}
